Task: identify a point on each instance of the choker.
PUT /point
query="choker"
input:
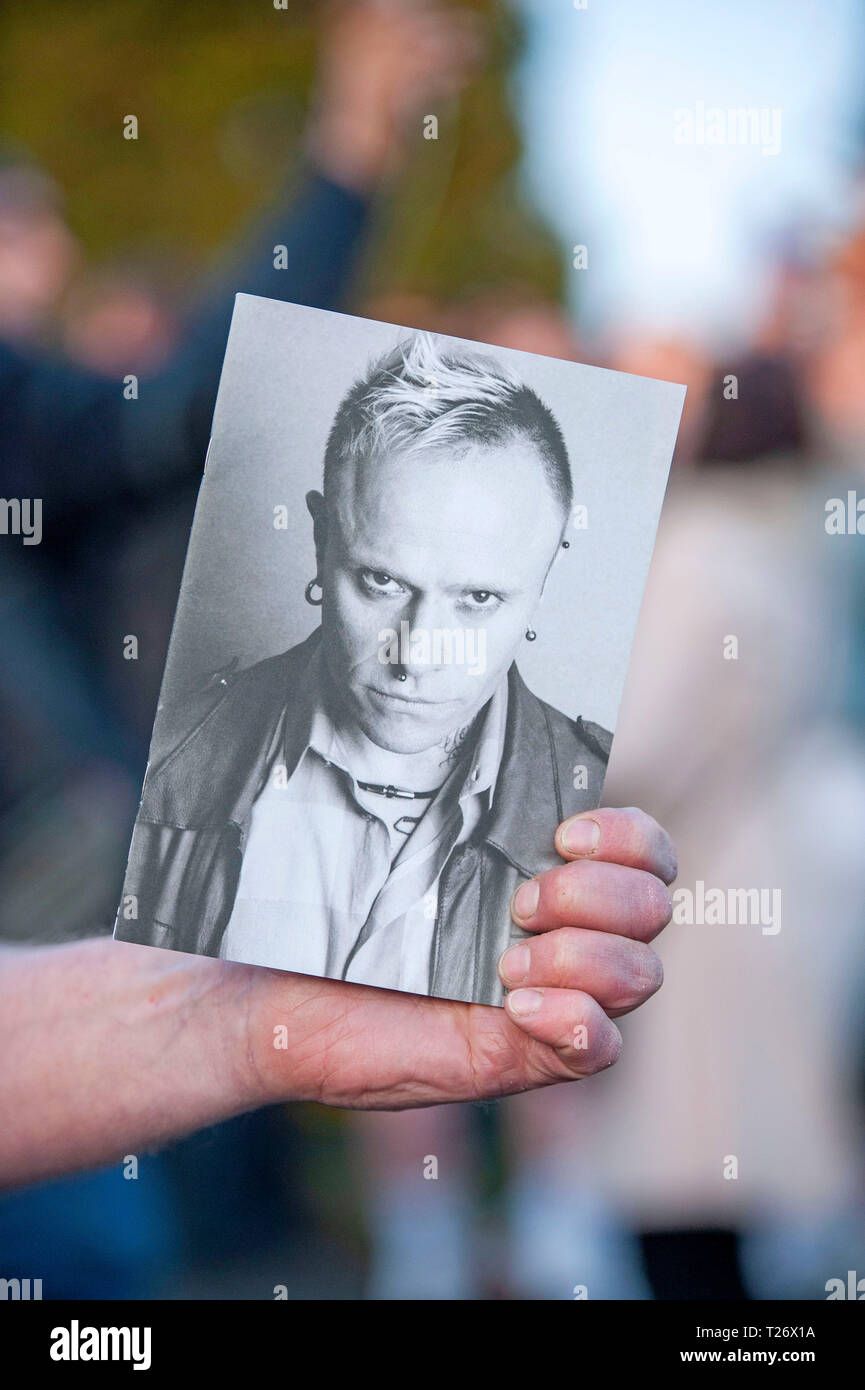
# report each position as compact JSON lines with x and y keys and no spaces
{"x":391,"y":791}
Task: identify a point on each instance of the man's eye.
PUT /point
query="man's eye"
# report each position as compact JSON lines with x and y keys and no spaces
{"x":380,"y":582}
{"x":480,"y":598}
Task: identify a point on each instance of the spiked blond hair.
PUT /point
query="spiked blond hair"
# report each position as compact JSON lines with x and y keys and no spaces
{"x":425,"y":395}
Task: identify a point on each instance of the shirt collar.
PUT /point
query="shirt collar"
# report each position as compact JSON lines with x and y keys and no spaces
{"x":490,"y":741}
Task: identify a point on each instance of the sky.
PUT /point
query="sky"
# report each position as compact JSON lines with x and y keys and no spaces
{"x":679,"y":234}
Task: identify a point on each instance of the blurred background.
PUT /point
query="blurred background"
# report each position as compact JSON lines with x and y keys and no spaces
{"x":545,"y":177}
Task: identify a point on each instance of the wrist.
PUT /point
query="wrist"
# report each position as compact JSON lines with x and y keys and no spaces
{"x":225,"y":1005}
{"x":191,"y":1036}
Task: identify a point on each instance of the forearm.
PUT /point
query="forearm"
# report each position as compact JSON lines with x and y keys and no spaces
{"x":303,"y":252}
{"x":108,"y":1049}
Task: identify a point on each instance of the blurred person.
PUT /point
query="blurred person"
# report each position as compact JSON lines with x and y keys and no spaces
{"x":380,"y":62}
{"x":741,"y":1165}
{"x":743,"y":1170}
{"x":72,"y":763}
{"x":92,"y":459}
{"x":767,"y":1079}
{"x":742,"y":552}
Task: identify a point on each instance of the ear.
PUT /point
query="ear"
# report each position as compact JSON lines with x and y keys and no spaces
{"x":317,"y":509}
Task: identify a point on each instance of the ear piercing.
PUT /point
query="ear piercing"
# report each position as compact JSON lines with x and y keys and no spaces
{"x":307,"y":593}
{"x":530,"y":634}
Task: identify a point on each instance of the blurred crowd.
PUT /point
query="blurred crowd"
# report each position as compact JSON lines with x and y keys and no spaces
{"x":724,"y":1156}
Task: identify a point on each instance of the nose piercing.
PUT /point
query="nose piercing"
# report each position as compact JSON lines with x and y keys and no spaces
{"x":402,"y":676}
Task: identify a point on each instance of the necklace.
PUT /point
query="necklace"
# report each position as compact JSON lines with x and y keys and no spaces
{"x":391,"y":791}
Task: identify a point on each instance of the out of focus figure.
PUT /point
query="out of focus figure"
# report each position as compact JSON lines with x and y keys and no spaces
{"x":106,"y":392}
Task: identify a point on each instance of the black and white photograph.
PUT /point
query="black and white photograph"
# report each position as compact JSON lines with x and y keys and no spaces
{"x":404,"y":625}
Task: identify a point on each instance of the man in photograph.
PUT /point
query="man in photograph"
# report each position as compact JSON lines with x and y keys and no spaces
{"x":364,"y":805}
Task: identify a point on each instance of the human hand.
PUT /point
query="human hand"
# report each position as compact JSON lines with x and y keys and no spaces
{"x":381,"y":64}
{"x":155,"y":1044}
{"x":587,"y":962}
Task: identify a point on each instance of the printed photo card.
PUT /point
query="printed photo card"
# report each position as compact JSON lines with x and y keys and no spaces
{"x":402,"y":634}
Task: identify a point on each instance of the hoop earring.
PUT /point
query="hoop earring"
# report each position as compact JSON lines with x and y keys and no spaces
{"x":307,"y":593}
{"x":530,"y":634}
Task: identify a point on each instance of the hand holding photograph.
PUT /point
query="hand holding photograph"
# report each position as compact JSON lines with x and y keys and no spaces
{"x":402,"y":635}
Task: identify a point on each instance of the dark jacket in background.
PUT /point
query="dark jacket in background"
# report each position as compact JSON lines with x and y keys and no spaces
{"x":69,"y":436}
{"x":101,"y":465}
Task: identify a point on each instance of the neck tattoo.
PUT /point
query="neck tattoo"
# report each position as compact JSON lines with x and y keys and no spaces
{"x":452,"y":745}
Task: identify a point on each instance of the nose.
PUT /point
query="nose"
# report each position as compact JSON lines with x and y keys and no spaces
{"x":423,"y":650}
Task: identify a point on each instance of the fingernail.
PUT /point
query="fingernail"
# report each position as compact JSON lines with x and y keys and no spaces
{"x":524,"y":1002}
{"x":525,"y":900}
{"x":514,"y":964}
{"x":581,"y":836}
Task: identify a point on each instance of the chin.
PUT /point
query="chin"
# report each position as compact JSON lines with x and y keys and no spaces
{"x":394,"y":739}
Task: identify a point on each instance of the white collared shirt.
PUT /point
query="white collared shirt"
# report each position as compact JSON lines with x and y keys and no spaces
{"x":323,"y":888}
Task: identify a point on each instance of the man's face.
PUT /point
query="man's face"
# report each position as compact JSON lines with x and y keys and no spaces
{"x":422,"y":545}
